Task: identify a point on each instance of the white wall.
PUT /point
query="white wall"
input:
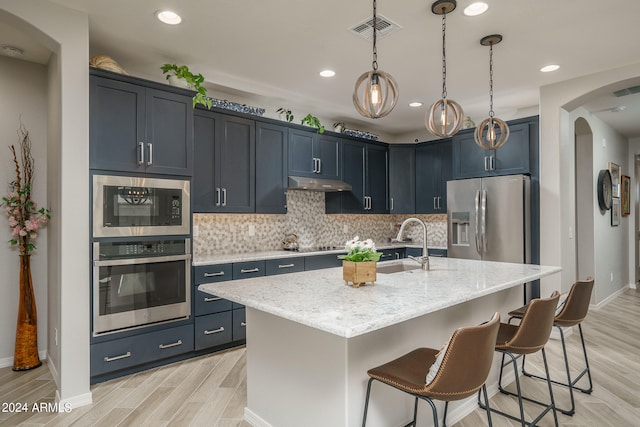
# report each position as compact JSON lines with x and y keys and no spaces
{"x":65,"y":32}
{"x":634,"y":149}
{"x":23,"y":86}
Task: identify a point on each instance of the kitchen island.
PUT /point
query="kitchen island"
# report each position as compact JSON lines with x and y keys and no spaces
{"x":311,"y":339}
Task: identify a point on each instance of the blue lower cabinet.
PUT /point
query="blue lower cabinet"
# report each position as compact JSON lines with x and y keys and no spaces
{"x":284,"y":265}
{"x":206,"y":303}
{"x":432,"y":252}
{"x":213,"y":330}
{"x":239,"y":324}
{"x":244,"y":270}
{"x":111,"y":356}
{"x":212,"y":273}
{"x":316,"y":262}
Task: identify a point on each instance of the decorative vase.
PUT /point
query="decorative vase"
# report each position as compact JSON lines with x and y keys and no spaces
{"x":179,"y":82}
{"x":25,"y":355}
{"x":358,"y":273}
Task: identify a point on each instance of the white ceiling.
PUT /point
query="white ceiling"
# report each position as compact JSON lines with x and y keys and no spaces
{"x":275,"y":49}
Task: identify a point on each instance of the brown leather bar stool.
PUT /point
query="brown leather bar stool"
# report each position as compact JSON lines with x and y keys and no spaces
{"x":529,"y":337}
{"x":571,"y":313}
{"x":464,"y":367}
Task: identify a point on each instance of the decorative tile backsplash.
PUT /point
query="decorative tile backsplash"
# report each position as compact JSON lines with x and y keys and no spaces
{"x":224,"y":234}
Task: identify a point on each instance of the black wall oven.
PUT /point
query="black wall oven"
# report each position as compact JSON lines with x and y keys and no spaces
{"x":126,"y":206}
{"x":140,"y":283}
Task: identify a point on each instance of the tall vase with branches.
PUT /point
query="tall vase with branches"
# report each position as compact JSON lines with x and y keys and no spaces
{"x":25,"y":219}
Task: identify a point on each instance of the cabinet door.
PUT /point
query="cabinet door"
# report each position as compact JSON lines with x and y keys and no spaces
{"x":271,"y":168}
{"x":203,"y":186}
{"x":513,"y":157}
{"x":428,"y":172}
{"x":300,"y":162}
{"x":446,"y":173}
{"x":169,"y":137}
{"x":353,"y":172}
{"x":235,"y":151}
{"x":469,"y":160}
{"x":327,"y":149}
{"x":402,"y":180}
{"x":117,"y":125}
{"x":376,"y":175}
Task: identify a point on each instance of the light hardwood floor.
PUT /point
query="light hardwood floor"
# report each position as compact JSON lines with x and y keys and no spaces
{"x":211,"y":390}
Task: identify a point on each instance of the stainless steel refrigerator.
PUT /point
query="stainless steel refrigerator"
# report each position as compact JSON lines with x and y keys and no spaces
{"x":489,"y":218}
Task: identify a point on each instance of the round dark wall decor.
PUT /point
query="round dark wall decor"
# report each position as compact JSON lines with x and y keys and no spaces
{"x":604,"y":189}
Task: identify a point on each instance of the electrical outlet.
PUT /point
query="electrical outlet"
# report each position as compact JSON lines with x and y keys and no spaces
{"x":345,"y":229}
{"x":55,"y":336}
{"x":604,"y":143}
{"x":195,"y":231}
{"x":252,"y":230}
{"x":612,"y":277}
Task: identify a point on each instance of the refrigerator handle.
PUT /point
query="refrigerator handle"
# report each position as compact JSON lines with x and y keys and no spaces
{"x":484,"y":221}
{"x":477,"y":223}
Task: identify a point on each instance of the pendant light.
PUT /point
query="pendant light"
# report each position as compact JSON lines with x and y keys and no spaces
{"x":492,"y":133}
{"x":376,"y":92}
{"x":445,"y":116}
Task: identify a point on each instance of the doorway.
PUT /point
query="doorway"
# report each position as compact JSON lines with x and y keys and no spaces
{"x":584,"y":201}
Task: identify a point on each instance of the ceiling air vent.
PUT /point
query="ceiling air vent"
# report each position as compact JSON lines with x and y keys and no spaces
{"x":628,"y":91}
{"x":384,"y":28}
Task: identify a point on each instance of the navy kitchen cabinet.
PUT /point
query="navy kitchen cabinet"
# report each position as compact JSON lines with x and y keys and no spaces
{"x":402,"y":179}
{"x":471,"y":161}
{"x":433,"y":170}
{"x":224,"y":172}
{"x":137,"y":127}
{"x":365,"y":167}
{"x":313,"y":155}
{"x":271,"y":168}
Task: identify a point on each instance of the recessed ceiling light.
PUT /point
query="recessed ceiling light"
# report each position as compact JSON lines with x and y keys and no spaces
{"x":327,"y":73}
{"x":415,"y":104}
{"x":13,"y":51}
{"x":168,"y":17}
{"x":549,"y":68}
{"x":476,"y":8}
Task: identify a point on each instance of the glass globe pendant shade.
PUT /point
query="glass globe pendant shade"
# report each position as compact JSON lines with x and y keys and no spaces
{"x":444,"y":118}
{"x":375,"y":94}
{"x":491,"y":134}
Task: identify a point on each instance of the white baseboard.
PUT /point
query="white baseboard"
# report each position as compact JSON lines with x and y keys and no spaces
{"x":67,"y":405}
{"x":632,"y":286}
{"x":8,"y":361}
{"x":253,"y":419}
{"x":608,"y":299}
{"x":54,"y":374}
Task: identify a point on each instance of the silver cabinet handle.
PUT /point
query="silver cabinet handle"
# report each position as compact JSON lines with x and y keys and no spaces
{"x":150,"y":162}
{"x":219,"y":273}
{"x":215,"y":331}
{"x":315,"y":165}
{"x":243,"y":323}
{"x":218,"y":196}
{"x":434,"y":203}
{"x":385,"y":255}
{"x":224,"y":197}
{"x":492,"y":162}
{"x":175,"y":344}
{"x":286,"y":265}
{"x":212,"y":299}
{"x":253,"y":270}
{"x":319,"y":165}
{"x":397,"y":255}
{"x":140,"y":153}
{"x":486,"y":168}
{"x":122,"y":356}
{"x":391,"y":208}
{"x":439,"y":203}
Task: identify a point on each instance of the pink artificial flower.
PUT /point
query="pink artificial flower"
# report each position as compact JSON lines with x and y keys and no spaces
{"x":23,"y":232}
{"x":33,"y":236}
{"x":15,"y":232}
{"x":42,"y":219}
{"x":12,"y":221}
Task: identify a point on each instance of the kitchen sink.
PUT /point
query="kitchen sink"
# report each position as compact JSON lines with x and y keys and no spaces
{"x":397,"y":267}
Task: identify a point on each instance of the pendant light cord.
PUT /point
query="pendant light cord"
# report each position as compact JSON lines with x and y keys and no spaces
{"x":374,"y":64}
{"x":491,"y":113}
{"x":444,"y":54}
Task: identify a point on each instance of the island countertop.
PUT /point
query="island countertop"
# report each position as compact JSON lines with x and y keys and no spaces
{"x":321,"y":300}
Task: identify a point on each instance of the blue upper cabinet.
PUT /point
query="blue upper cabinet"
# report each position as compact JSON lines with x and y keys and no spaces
{"x":313,"y":155}
{"x":138,"y":128}
{"x":271,"y":168}
{"x":471,"y":161}
{"x":433,"y":170}
{"x":402,"y":179}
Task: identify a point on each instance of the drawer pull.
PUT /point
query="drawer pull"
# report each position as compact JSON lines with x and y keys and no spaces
{"x":252,"y":270}
{"x":219,"y":273}
{"x":212,"y":299}
{"x":286,"y":265}
{"x":175,"y":344}
{"x":243,"y":324}
{"x":122,"y":356}
{"x":215,"y":331}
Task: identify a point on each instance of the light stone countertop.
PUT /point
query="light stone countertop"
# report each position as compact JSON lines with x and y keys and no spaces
{"x":321,"y":300}
{"x":264,"y":255}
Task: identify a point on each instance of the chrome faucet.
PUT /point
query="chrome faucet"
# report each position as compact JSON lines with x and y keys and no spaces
{"x":424,"y":259}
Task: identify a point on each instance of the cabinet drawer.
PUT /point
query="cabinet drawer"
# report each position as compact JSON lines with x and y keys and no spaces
{"x":316,"y":262}
{"x":239,"y":324}
{"x":114,"y":355}
{"x":284,"y":265}
{"x":205,"y":303}
{"x":244,"y":270}
{"x":213,"y":330}
{"x":212,"y":273}
{"x":166,"y":343}
{"x":390,"y":254}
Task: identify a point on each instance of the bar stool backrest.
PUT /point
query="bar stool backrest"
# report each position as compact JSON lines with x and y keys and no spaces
{"x":577,"y":304}
{"x":535,"y":328}
{"x":466,"y":362}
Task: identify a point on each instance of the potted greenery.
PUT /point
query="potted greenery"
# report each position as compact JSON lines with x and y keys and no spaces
{"x":313,"y":121}
{"x":288,"y":115}
{"x":192,"y":81}
{"x":359,"y":264}
{"x":339,"y":127}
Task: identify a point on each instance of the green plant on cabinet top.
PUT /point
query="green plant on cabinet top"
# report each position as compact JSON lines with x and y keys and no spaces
{"x":312,"y":121}
{"x":194,"y":82}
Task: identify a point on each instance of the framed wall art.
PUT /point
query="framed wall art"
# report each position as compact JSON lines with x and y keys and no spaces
{"x":614,"y":169}
{"x":625,"y":184}
{"x":615,"y":213}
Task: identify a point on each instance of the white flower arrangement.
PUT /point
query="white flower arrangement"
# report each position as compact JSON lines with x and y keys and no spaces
{"x":360,"y":250}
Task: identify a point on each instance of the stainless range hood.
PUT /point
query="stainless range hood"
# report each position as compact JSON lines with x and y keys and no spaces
{"x":317,"y":184}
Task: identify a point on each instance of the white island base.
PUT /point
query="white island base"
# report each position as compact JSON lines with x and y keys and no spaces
{"x":301,"y":376}
{"x":311,"y":339}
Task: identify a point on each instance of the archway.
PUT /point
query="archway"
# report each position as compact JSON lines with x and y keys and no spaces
{"x":584,"y":190}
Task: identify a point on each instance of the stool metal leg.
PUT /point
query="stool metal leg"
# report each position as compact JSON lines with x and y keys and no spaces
{"x":366,"y":403}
